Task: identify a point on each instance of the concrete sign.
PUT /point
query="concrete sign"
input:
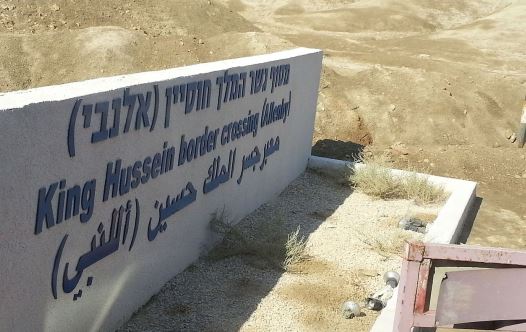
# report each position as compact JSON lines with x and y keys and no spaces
{"x":108,"y":185}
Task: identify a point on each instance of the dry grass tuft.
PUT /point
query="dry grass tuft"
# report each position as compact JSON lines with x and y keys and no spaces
{"x":376,"y":180}
{"x":273,"y":247}
{"x":418,"y":188}
{"x":294,"y":249}
{"x":385,"y":247}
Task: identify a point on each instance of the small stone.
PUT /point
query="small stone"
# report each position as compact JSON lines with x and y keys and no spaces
{"x":426,"y":161}
{"x":412,"y":224}
{"x":200,"y":41}
{"x":400,"y":148}
{"x":432,"y":164}
{"x":351,"y":309}
{"x":465,"y":112}
{"x":392,"y":108}
{"x":508,"y":134}
{"x":517,"y":176}
{"x":55,"y":7}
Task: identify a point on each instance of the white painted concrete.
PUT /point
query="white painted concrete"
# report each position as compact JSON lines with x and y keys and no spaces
{"x":53,"y":152}
{"x":446,"y":228}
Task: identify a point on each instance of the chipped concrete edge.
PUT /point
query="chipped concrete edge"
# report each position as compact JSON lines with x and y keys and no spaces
{"x":446,"y":228}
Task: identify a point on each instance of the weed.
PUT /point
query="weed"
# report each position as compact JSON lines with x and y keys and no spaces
{"x":272,"y":246}
{"x":376,"y":180}
{"x":294,"y":249}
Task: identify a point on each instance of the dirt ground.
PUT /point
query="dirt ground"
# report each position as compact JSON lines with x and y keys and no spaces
{"x":240,"y":285}
{"x":437,"y":84}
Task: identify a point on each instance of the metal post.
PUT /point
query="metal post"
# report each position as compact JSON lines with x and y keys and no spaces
{"x":521,"y":135}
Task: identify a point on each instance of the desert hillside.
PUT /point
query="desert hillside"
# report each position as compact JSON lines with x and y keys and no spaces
{"x":437,"y":84}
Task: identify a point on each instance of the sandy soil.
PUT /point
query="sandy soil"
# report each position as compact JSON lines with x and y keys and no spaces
{"x":445,"y":78}
{"x":352,"y":240}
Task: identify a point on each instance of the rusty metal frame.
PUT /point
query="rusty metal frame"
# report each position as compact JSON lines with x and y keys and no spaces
{"x":412,"y":308}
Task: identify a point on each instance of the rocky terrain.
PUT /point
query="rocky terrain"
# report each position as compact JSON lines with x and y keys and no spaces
{"x":437,"y":85}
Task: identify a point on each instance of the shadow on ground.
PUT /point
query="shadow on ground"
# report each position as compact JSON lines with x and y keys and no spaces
{"x":470,"y":220}
{"x":336,"y":149}
{"x":222,"y":294}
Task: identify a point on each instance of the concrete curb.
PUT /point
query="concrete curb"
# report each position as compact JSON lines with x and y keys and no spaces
{"x":446,"y":228}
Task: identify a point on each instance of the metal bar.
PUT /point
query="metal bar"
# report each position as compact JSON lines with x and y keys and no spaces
{"x":466,"y":253}
{"x":414,"y":251}
{"x":521,"y":135}
{"x":472,"y":295}
{"x":406,"y":297}
{"x":421,"y":290}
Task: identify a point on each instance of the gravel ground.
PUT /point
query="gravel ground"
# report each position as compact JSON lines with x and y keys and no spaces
{"x":351,"y":241}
